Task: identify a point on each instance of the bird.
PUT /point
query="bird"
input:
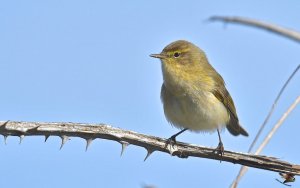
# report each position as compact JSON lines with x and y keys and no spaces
{"x":193,"y":93}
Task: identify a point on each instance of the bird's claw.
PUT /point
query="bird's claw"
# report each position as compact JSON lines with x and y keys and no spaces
{"x":220,"y":149}
{"x":171,"y":140}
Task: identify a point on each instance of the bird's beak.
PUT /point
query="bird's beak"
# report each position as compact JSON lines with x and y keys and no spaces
{"x":160,"y":56}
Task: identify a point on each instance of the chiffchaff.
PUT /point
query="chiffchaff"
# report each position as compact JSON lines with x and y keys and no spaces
{"x":193,"y":93}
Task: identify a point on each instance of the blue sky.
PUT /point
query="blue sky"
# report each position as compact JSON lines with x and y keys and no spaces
{"x":88,"y":61}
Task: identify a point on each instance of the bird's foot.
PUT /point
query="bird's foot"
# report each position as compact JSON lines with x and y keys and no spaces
{"x":172,"y":140}
{"x":220,"y":149}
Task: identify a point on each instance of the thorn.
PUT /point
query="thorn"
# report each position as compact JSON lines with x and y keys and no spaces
{"x":5,"y":123}
{"x":64,"y":139}
{"x":124,"y":146}
{"x":46,"y":137}
{"x":5,"y":139}
{"x":149,"y":152}
{"x":21,"y":138}
{"x":88,"y":143}
{"x":3,"y":126}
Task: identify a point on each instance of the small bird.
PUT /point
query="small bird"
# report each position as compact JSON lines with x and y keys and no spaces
{"x":193,"y":93}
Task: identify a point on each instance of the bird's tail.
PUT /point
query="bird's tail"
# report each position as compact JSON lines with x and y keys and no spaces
{"x":235,"y":128}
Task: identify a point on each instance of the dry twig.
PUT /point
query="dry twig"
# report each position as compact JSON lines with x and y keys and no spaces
{"x":294,"y":35}
{"x":243,"y":169}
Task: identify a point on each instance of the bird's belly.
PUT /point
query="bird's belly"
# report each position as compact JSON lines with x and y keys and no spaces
{"x":203,"y":112}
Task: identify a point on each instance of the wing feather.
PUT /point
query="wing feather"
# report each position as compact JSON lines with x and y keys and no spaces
{"x":223,"y":96}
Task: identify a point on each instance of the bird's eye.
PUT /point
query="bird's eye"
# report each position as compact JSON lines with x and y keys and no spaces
{"x":176,"y":54}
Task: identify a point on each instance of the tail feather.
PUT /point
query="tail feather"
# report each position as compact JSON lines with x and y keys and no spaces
{"x":235,"y":128}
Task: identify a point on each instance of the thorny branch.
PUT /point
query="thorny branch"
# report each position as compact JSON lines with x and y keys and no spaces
{"x":90,"y":132}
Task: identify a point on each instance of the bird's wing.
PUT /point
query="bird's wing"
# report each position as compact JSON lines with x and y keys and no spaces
{"x":223,"y":96}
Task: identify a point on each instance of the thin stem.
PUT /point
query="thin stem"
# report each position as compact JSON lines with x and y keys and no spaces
{"x":244,"y":169}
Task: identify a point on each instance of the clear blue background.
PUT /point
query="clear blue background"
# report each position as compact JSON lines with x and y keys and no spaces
{"x":88,"y":61}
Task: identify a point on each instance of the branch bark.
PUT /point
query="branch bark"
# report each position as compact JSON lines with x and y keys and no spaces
{"x":289,"y":33}
{"x":89,"y":132}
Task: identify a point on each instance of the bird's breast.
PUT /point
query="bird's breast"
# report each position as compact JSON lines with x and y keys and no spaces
{"x":197,"y":111}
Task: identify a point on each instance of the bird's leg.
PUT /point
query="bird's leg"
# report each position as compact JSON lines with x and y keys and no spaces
{"x":173,"y":138}
{"x":220,"y":148}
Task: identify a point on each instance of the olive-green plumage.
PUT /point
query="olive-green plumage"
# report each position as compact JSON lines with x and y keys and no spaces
{"x":193,"y":92}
